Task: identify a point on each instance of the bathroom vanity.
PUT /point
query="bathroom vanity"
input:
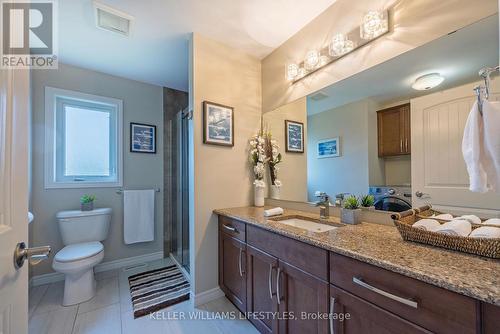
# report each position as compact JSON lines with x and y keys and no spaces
{"x":351,"y":279}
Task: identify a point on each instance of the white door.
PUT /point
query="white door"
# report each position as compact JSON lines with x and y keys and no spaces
{"x":14,"y":104}
{"x":438,"y":168}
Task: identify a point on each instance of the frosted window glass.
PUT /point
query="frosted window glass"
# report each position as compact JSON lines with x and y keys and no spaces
{"x":87,"y":142}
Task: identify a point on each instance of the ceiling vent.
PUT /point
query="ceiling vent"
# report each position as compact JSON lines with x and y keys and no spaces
{"x":319,"y":96}
{"x":113,"y":20}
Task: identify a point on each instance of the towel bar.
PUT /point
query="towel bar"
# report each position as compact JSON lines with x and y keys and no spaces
{"x":120,"y":191}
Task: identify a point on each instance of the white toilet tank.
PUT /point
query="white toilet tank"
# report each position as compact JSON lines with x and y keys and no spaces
{"x":84,"y":226}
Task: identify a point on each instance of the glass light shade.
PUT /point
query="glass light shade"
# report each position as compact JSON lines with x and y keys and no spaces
{"x":374,"y":24}
{"x":292,"y":70}
{"x":312,"y":59}
{"x":302,"y":73}
{"x":340,"y":45}
{"x":428,"y":81}
{"x":323,"y":60}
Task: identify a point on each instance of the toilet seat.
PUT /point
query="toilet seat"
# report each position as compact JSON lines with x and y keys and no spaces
{"x":80,"y":251}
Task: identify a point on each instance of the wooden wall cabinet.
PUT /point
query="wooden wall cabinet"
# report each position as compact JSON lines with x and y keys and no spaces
{"x":393,"y":126}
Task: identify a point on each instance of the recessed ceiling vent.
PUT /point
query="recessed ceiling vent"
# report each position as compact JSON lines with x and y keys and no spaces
{"x":319,"y":96}
{"x":111,"y":19}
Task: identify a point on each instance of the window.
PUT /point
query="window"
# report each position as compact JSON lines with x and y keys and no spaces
{"x":83,"y":140}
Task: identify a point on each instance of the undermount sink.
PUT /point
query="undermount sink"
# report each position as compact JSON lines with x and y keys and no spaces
{"x":306,"y":224}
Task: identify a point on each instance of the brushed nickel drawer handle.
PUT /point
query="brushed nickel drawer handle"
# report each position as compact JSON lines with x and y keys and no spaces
{"x":332,"y":305}
{"x":278,"y":294}
{"x":271,"y":294}
{"x":239,"y":263}
{"x":365,"y":285}
{"x":230,"y":228}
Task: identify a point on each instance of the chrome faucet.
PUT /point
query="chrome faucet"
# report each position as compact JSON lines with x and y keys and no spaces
{"x":323,"y":204}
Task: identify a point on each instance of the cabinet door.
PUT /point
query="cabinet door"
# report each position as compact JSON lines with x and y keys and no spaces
{"x":303,"y":296}
{"x":232,"y":269}
{"x":261,"y":290}
{"x":393,"y":125}
{"x":491,"y":318}
{"x":352,"y":315}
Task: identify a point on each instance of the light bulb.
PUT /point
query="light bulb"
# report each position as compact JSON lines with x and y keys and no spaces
{"x":312,"y":59}
{"x":374,"y":24}
{"x":340,"y":45}
{"x":292,"y":70}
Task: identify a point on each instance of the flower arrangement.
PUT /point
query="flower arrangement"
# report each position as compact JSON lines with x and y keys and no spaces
{"x":258,"y":159}
{"x":274,"y":158}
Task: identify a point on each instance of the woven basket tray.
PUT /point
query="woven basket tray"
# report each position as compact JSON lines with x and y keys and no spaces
{"x":478,"y":246}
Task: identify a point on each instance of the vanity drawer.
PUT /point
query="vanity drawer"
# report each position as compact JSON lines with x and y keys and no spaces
{"x":310,"y":259}
{"x":233,"y":227}
{"x":436,"y":309}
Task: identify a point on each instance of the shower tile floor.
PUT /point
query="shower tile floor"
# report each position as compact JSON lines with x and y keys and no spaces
{"x":110,"y":311}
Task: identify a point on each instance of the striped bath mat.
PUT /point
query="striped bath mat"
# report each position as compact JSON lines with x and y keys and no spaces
{"x":156,"y":289}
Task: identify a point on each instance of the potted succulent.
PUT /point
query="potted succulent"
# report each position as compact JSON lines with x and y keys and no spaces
{"x":367,"y":202}
{"x":87,"y":202}
{"x":350,"y":211}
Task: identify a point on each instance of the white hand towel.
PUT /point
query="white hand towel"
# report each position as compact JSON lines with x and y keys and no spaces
{"x":471,"y":218}
{"x":486,"y":232}
{"x":443,"y":216}
{"x":427,"y":224}
{"x":491,"y":121}
{"x":492,"y":221}
{"x":273,"y":212}
{"x":455,"y":227}
{"x":473,"y":150}
{"x":138,"y":216}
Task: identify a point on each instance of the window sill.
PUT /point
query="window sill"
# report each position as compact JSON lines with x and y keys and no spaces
{"x":80,"y":185}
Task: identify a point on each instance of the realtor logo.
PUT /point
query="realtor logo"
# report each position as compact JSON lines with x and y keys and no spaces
{"x":28,"y":34}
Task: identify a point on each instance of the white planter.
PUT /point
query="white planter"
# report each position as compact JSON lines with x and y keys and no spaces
{"x":274,"y":192}
{"x":258,"y":196}
{"x":350,"y":216}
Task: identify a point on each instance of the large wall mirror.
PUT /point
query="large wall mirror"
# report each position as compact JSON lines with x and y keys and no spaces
{"x":386,"y":132}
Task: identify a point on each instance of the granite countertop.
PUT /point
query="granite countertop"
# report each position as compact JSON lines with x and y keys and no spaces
{"x":382,"y":246}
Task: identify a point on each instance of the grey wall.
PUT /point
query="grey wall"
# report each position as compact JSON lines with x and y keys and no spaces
{"x":141,"y":103}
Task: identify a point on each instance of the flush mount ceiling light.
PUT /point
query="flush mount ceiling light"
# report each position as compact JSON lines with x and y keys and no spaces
{"x":374,"y":25}
{"x":428,"y":81}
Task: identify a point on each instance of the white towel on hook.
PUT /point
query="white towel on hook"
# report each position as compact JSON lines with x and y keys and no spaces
{"x":138,"y":216}
{"x":491,"y":121}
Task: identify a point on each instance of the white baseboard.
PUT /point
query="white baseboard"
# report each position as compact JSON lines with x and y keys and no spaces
{"x":207,"y":296}
{"x":105,"y":266}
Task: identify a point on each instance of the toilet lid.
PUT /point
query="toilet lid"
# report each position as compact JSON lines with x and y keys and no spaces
{"x":79,"y":251}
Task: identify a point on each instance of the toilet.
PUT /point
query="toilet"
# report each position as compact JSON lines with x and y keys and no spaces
{"x":82,"y":233}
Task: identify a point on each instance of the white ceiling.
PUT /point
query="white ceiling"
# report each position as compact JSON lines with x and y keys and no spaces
{"x":157,"y":50}
{"x":458,"y":57}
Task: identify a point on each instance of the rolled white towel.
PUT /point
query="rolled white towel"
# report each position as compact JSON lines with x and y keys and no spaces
{"x":273,"y":212}
{"x":444,"y":216}
{"x":427,"y":224}
{"x":471,"y":218}
{"x":486,"y":232}
{"x":492,"y":221}
{"x":460,"y":227}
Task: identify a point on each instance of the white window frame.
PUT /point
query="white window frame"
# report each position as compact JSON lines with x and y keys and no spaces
{"x":51,"y":96}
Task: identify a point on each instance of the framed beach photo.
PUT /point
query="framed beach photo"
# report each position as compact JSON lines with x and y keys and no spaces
{"x":329,"y":148}
{"x":218,"y":124}
{"x":142,"y":138}
{"x":294,"y":134}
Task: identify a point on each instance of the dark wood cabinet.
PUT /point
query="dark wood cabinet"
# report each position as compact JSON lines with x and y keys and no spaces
{"x":303,"y":296}
{"x":261,"y":289}
{"x":232,"y":269}
{"x":490,"y":319}
{"x":353,"y":315}
{"x":393,"y":125}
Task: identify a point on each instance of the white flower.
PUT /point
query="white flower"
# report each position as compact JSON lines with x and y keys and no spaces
{"x":277,"y":183}
{"x":259,"y":183}
{"x":259,"y":169}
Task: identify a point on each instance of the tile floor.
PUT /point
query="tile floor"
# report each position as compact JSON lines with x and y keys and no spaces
{"x":110,"y":311}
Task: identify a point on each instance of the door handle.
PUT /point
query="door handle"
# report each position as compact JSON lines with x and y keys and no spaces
{"x":401,"y":145}
{"x":420,"y":194}
{"x":332,"y":306}
{"x":239,"y":263}
{"x":271,"y":294}
{"x":35,"y":255}
{"x":406,"y":145}
{"x":278,"y":294}
{"x":389,"y":295}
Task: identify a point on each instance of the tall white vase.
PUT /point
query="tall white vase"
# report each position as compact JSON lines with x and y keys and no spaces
{"x":258,"y":196}
{"x":274,"y":192}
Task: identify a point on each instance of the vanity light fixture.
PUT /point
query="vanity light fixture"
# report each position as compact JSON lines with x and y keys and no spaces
{"x":340,"y":45}
{"x":374,"y":24}
{"x":428,"y":81}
